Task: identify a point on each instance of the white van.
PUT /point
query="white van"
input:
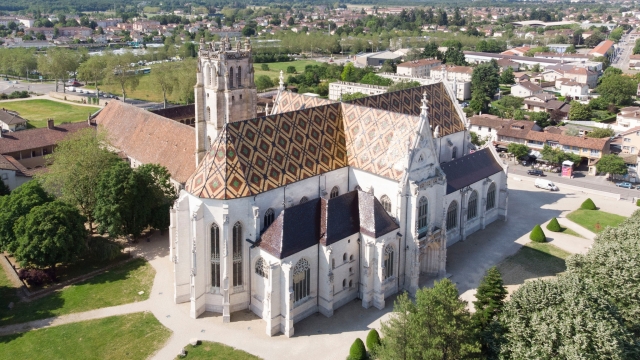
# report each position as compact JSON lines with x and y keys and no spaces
{"x":546,"y":184}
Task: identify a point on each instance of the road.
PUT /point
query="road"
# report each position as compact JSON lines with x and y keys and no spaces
{"x":623,"y":52}
{"x":580,"y":179}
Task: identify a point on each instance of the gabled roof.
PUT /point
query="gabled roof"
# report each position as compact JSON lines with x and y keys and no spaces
{"x":150,"y":138}
{"x":37,"y":138}
{"x":326,"y":222}
{"x":470,"y":169}
{"x":9,"y":163}
{"x":10,"y":117}
{"x":602,"y":48}
{"x":529,"y":86}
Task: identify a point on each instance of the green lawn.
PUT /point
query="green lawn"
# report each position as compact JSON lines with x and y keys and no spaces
{"x":533,"y":260}
{"x":274,"y":68}
{"x":117,"y":286}
{"x":133,"y":336}
{"x":570,"y":232}
{"x":8,"y":293}
{"x":216,"y":351}
{"x":595,"y":220}
{"x":38,"y":111}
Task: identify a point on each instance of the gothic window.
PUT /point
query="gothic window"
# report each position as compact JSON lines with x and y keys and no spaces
{"x":423,"y":210}
{"x":454,"y":153}
{"x":237,"y":254}
{"x":386,"y":203}
{"x":472,"y":206}
{"x":350,"y":257}
{"x":303,"y":200}
{"x":350,"y":283}
{"x":215,"y":256}
{"x":261,"y":268}
{"x":268,"y":218}
{"x":491,"y":196}
{"x":344,"y":257}
{"x":333,"y":263}
{"x":239,"y":76}
{"x":208,"y":114}
{"x":388,"y":262}
{"x":231,"y":77}
{"x":214,"y":75}
{"x":301,"y":280}
{"x":207,"y":75}
{"x":452,"y":215}
{"x":344,"y":283}
{"x":334,"y":192}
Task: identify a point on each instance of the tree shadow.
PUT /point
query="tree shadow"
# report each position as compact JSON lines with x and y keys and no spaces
{"x":529,"y":263}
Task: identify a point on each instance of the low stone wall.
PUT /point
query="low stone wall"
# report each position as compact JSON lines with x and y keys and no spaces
{"x":71,"y":96}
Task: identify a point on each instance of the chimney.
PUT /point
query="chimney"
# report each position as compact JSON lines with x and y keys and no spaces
{"x":50,"y":123}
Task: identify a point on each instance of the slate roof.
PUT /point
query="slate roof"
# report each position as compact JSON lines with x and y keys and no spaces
{"x":326,"y":222}
{"x":150,"y":138}
{"x":177,"y":112}
{"x":470,"y":169}
{"x":36,"y":138}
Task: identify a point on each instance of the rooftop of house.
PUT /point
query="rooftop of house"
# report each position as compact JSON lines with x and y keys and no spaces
{"x":530,"y":86}
{"x":10,"y":117}
{"x":421,"y":62}
{"x":37,"y":138}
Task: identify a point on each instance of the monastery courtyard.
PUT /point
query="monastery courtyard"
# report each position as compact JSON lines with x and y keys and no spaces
{"x":318,"y":337}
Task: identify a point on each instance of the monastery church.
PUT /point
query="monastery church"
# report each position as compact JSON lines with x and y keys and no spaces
{"x":317,"y":203}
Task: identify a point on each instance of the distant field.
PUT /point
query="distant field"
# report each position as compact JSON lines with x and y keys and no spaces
{"x":38,"y":111}
{"x":274,"y":68}
{"x":151,"y":9}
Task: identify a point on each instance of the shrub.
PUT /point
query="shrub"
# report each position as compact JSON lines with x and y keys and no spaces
{"x":291,"y":69}
{"x":554,"y":225}
{"x":373,"y":340}
{"x":34,"y":277}
{"x":102,"y":249}
{"x":638,"y":202}
{"x":264,"y":67}
{"x":357,"y":351}
{"x":537,"y":234}
{"x":588,"y":205}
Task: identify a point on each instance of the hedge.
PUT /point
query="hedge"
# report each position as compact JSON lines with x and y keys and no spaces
{"x":537,"y":234}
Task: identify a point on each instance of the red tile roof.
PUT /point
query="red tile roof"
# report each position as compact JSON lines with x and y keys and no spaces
{"x":150,"y":138}
{"x":37,"y":138}
{"x":602,"y":48}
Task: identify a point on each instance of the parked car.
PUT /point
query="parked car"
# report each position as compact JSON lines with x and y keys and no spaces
{"x":74,"y":83}
{"x":625,"y":185}
{"x":546,"y":184}
{"x":535,"y":172}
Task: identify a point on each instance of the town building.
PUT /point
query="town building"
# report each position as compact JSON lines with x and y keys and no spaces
{"x":418,"y":68}
{"x":525,"y":89}
{"x":12,"y":173}
{"x":339,"y":88}
{"x":11,"y":121}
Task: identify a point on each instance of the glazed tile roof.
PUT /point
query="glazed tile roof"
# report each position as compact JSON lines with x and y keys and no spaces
{"x":150,"y":138}
{"x":257,"y":155}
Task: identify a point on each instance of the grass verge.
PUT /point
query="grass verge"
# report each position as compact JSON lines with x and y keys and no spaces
{"x":38,"y":111}
{"x":533,"y":260}
{"x":117,"y":286}
{"x":216,"y":351}
{"x":570,"y":232}
{"x":132,"y":336}
{"x":595,"y":220}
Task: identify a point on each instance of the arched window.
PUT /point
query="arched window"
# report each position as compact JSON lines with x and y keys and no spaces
{"x":454,"y":153}
{"x":344,"y":283}
{"x":208,"y":114}
{"x":350,"y":284}
{"x":472,"y":206}
{"x":350,"y":257}
{"x":452,"y":215}
{"x":239,"y":76}
{"x":268,"y":218}
{"x":214,"y":75}
{"x":423,"y":211}
{"x":334,"y":192}
{"x":386,"y":203}
{"x":207,"y":74}
{"x":491,"y":196}
{"x":388,"y":262}
{"x":237,"y":254}
{"x":303,"y":200}
{"x":301,"y":280}
{"x":261,"y":268}
{"x":344,"y":257}
{"x":215,"y":256}
{"x":231,"y":77}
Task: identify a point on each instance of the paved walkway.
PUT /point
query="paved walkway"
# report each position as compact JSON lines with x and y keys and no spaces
{"x":318,"y":337}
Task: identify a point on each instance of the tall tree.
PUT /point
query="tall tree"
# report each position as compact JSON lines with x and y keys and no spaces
{"x":612,"y":164}
{"x":50,"y":234}
{"x":398,"y":333}
{"x":58,"y":63}
{"x":163,"y":77}
{"x":77,"y":166}
{"x":18,"y":204}
{"x":186,"y":80}
{"x":490,"y":297}
{"x":162,"y":194}
{"x":94,"y":69}
{"x":119,"y":72}
{"x":507,"y":77}
{"x":484,"y":84}
{"x":617,"y":89}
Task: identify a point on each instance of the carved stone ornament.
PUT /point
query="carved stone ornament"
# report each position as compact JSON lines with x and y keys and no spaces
{"x":225,"y":218}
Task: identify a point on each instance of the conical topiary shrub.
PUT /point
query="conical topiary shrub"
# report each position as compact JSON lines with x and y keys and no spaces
{"x":373,"y":340}
{"x":357,"y":351}
{"x":588,"y":205}
{"x":537,"y":234}
{"x":553,"y":225}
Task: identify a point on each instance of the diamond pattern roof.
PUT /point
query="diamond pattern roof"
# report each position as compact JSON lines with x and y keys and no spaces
{"x":315,"y":136}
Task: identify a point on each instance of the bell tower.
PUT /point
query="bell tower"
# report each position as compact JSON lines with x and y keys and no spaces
{"x":224,"y":91}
